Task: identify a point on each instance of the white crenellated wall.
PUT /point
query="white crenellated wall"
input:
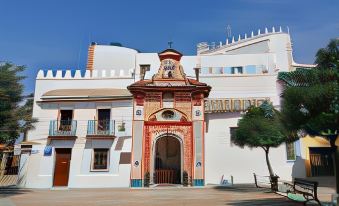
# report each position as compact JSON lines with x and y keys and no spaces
{"x":205,"y":47}
{"x":87,"y":74}
{"x":274,"y":42}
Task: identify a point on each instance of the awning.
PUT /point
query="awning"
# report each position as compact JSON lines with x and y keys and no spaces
{"x":86,"y":94}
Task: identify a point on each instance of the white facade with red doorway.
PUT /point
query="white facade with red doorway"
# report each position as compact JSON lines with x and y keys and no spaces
{"x":94,"y":132}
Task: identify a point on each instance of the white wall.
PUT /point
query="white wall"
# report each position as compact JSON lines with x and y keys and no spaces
{"x":278,"y":43}
{"x":113,"y":57}
{"x":223,"y":158}
{"x":40,"y":168}
{"x":243,"y":86}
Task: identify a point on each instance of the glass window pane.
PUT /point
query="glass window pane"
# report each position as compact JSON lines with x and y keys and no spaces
{"x":100,"y":161}
{"x":227,"y":70}
{"x":216,"y":70}
{"x":290,"y":150}
{"x":251,"y":69}
{"x":205,"y":70}
{"x":236,"y":70}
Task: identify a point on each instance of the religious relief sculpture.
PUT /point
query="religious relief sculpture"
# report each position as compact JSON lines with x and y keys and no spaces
{"x":168,"y":114}
{"x":169,"y":67}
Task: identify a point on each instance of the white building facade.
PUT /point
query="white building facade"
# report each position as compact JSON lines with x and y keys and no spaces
{"x":85,"y":135}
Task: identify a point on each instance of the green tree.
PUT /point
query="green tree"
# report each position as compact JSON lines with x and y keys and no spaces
{"x":311,"y":99}
{"x":25,"y":113}
{"x":14,"y":119}
{"x":261,"y":127}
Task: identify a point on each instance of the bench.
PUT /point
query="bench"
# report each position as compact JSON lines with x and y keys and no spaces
{"x":266,"y":181}
{"x":302,"y":190}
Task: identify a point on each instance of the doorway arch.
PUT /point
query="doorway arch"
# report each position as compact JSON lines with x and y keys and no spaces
{"x":167,"y":160}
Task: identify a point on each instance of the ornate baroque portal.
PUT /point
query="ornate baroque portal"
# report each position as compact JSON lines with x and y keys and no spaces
{"x":168,"y":126}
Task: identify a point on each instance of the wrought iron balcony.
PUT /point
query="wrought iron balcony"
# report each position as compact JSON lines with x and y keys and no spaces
{"x":62,"y":128}
{"x":101,"y":128}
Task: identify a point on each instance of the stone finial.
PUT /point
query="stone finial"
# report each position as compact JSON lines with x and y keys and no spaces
{"x":266,"y":30}
{"x":252,"y":34}
{"x":239,"y":38}
{"x":280,"y":30}
{"x":273,"y":29}
{"x":245,"y":35}
{"x":258,"y":31}
{"x":288,"y":30}
{"x":233,"y":39}
{"x":227,"y":41}
{"x":220,"y":43}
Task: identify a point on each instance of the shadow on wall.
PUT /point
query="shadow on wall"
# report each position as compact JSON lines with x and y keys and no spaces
{"x":299,"y":168}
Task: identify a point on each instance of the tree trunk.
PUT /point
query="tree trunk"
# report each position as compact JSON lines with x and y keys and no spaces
{"x":336,"y":170}
{"x":336,"y":164}
{"x":268,"y":162}
{"x":273,"y":177}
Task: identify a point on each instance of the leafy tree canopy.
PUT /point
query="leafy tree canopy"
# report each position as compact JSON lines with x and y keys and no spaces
{"x":311,"y":96}
{"x":260,"y":127}
{"x":14,"y":118}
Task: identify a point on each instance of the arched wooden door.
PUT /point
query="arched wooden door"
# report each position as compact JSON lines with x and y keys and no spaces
{"x":167,"y":161}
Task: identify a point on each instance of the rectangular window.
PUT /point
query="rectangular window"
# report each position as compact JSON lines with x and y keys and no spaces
{"x":66,"y":117}
{"x":290,"y":151}
{"x":104,"y":116}
{"x":217,"y":70}
{"x":227,"y":70}
{"x":100,"y":159}
{"x":251,"y":69}
{"x":237,"y":70}
{"x":204,"y":70}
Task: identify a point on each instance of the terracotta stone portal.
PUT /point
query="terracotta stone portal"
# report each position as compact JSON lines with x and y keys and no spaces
{"x":169,"y":106}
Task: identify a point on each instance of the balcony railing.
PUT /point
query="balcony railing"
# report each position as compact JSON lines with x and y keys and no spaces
{"x":62,"y":128}
{"x":101,"y":127}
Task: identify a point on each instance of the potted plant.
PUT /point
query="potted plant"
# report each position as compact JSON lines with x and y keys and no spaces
{"x":147,"y":179}
{"x":185,"y":179}
{"x":121,"y":127}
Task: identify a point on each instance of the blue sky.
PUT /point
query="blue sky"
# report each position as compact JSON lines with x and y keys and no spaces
{"x":56,"y":34}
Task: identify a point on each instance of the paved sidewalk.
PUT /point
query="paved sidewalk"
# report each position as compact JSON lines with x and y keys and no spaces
{"x":238,"y":195}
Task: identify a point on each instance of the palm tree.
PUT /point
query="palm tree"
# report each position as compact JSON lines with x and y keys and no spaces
{"x":311,"y":99}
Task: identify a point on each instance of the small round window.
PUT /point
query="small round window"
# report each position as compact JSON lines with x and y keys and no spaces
{"x":168,"y":114}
